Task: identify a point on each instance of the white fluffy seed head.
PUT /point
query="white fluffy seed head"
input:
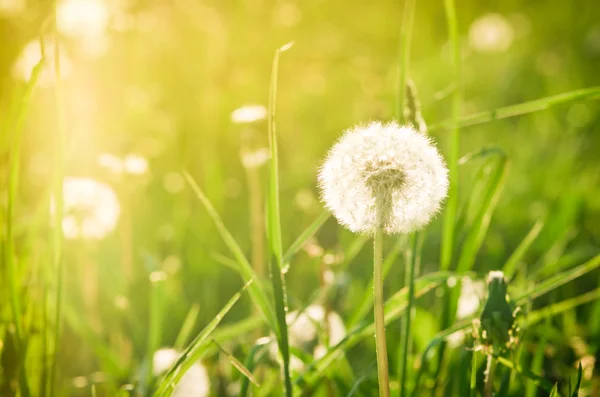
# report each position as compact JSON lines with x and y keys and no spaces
{"x":383,"y":175}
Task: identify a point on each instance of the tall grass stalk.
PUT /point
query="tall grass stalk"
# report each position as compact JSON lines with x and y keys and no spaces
{"x":411,"y":266}
{"x":405,"y":39}
{"x":380,"y":342}
{"x":274,"y":230}
{"x":452,"y":203}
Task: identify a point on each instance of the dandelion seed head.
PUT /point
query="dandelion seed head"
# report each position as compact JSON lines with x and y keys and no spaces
{"x":91,"y":208}
{"x":195,"y":381}
{"x":383,"y":175}
{"x":249,"y":114}
{"x":491,"y":33}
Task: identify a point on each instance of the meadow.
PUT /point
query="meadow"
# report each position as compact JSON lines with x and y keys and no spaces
{"x":166,"y":216}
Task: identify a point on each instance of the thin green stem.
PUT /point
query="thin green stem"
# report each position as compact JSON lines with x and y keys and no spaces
{"x":57,"y":241}
{"x":380,"y":342}
{"x":411,"y":265}
{"x":473,"y":384}
{"x":405,"y":39}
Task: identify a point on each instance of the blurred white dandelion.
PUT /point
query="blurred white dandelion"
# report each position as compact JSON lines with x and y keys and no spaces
{"x":249,"y":114}
{"x":195,"y":381}
{"x":311,"y":330}
{"x":255,"y":158}
{"x":31,"y":55}
{"x":491,"y":33}
{"x":383,"y":175}
{"x":82,"y":18}
{"x":472,"y":293}
{"x":91,"y":208}
{"x":132,"y":164}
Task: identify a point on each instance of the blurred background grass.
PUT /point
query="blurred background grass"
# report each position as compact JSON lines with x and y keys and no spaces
{"x":160,"y":79}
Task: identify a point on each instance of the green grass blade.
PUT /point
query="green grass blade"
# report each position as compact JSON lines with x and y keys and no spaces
{"x":237,"y":364}
{"x":520,"y":109}
{"x":478,"y":230}
{"x":511,"y":264}
{"x":538,"y":380}
{"x":538,"y":358}
{"x":255,"y":354}
{"x":157,"y":280}
{"x":256,"y":290}
{"x":578,"y":384}
{"x":561,"y":307}
{"x":305,"y":235}
{"x":274,"y":230}
{"x":560,"y":279}
{"x":187,"y":327}
{"x":405,"y":41}
{"x":195,"y":349}
{"x":452,"y":202}
{"x":352,"y":250}
{"x":57,"y":193}
{"x":554,"y":392}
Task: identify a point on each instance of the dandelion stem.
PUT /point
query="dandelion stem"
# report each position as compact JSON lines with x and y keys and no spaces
{"x":489,"y":376}
{"x":409,"y":276}
{"x":380,"y":343}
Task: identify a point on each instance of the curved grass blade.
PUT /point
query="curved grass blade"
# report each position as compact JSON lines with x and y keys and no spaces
{"x":578,"y":384}
{"x":560,"y":279}
{"x":519,"y":109}
{"x":511,"y":264}
{"x":187,"y":326}
{"x":305,"y":235}
{"x":274,"y":230}
{"x":256,"y":289}
{"x":237,"y":364}
{"x":254,"y":356}
{"x":478,"y":229}
{"x":195,"y":350}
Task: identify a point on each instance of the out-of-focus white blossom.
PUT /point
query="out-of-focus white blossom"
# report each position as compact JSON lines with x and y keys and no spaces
{"x":32,"y":54}
{"x":132,"y":164}
{"x":195,"y":381}
{"x":256,"y":158}
{"x":383,"y":175}
{"x":249,"y":114}
{"x":91,"y":208}
{"x":135,"y":164}
{"x":472,"y":292}
{"x":82,"y":18}
{"x":491,"y":33}
{"x":310,"y":330}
